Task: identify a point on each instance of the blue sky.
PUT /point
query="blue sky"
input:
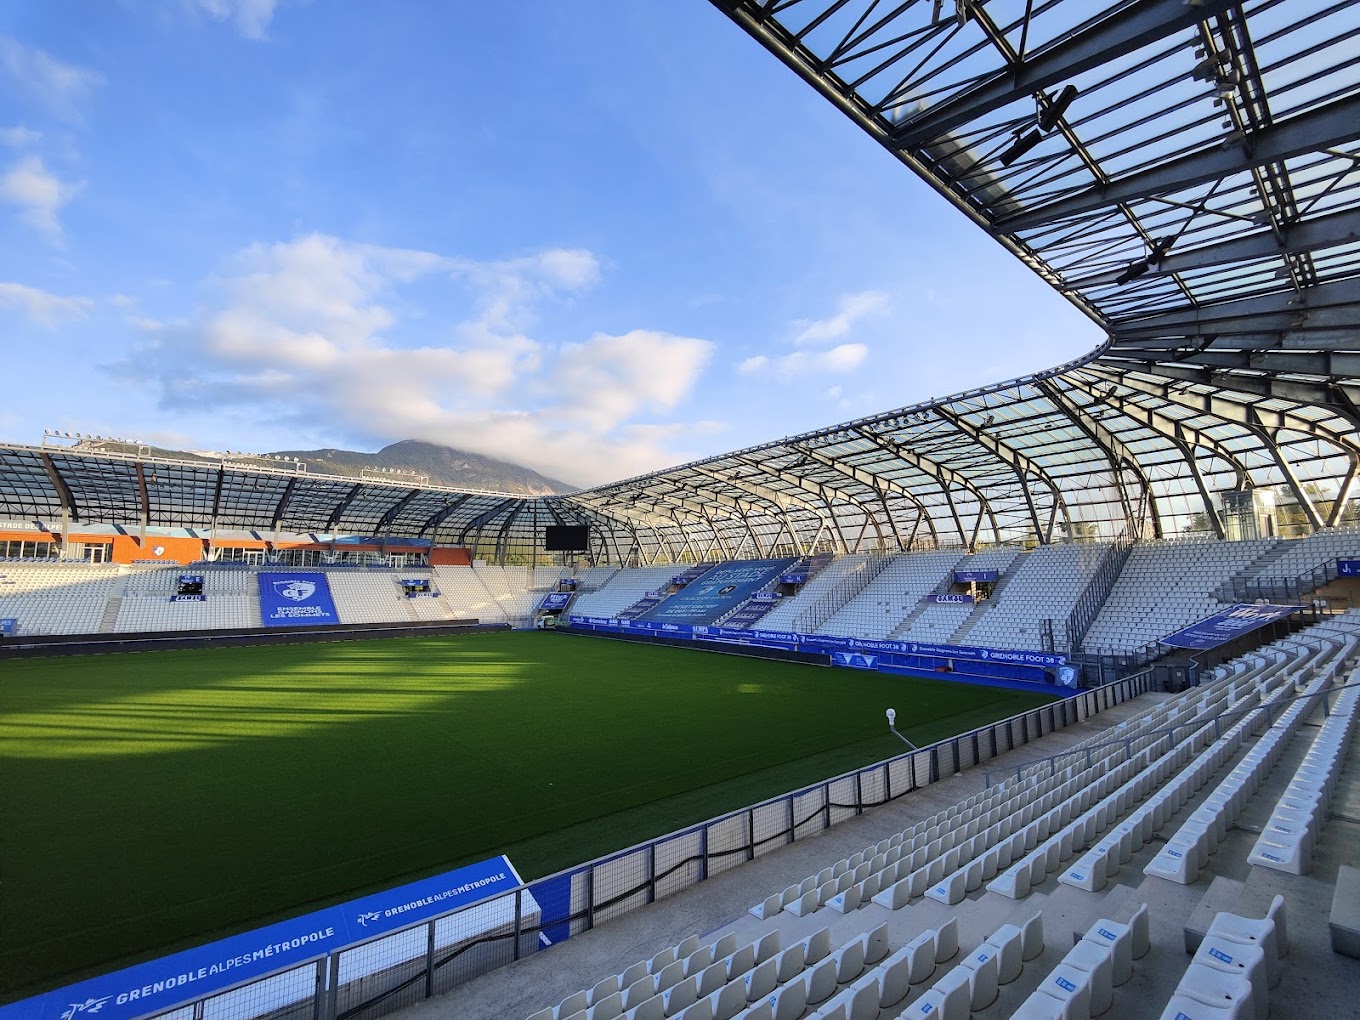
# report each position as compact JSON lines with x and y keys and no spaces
{"x":596,"y":238}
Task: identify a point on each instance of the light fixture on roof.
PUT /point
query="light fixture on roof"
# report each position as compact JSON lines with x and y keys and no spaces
{"x":1141,"y":267}
{"x":1049,"y":116}
{"x":1021,"y":145}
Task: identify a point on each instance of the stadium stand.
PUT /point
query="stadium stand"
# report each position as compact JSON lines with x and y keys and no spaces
{"x":1045,"y":586}
{"x":623,"y":589}
{"x":1304,"y":554}
{"x":1165,"y":586}
{"x":146,"y":612}
{"x":361,"y":597}
{"x":786,"y":612}
{"x":886,"y":600}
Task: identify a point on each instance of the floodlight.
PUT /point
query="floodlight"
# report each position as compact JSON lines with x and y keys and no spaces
{"x":1048,"y":118}
{"x":1020,"y":146}
{"x":1132,"y":271}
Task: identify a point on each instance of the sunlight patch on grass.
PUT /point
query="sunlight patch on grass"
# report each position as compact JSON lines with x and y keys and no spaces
{"x":287,"y":704}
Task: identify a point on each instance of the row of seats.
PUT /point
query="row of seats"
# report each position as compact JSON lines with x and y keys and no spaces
{"x":1286,"y":842}
{"x":1087,"y":805}
{"x":1233,"y":968}
{"x":1083,"y":984}
{"x":1189,"y":848}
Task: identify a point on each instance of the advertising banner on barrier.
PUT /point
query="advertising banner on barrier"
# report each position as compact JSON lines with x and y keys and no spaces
{"x":952,"y":600}
{"x":1231,"y":623}
{"x":1348,"y":568}
{"x":296,"y":600}
{"x":9,"y":626}
{"x":827,"y":643}
{"x":555,"y":601}
{"x":1008,"y":655}
{"x":717,"y":592}
{"x":418,"y":901}
{"x":162,"y":984}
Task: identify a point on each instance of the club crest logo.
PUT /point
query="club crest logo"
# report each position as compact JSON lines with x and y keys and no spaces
{"x":366,"y":916}
{"x":295,"y":591}
{"x":158,"y":551}
{"x":88,"y":1006}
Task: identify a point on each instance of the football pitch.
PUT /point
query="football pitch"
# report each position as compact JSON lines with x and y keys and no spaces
{"x":151,"y":801}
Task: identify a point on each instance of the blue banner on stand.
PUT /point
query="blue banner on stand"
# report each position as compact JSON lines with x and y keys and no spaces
{"x":188,"y":598}
{"x":952,"y":600}
{"x":1223,"y":627}
{"x":296,"y":600}
{"x":798,"y":578}
{"x":556,"y":601}
{"x":974,"y":575}
{"x":717,"y":592}
{"x":9,"y":626}
{"x":1348,"y":568}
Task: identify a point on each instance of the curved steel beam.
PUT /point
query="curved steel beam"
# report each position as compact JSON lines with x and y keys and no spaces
{"x":1020,"y":464}
{"x":1116,"y":452}
{"x":1097,"y":42}
{"x":879,"y":485}
{"x":945,"y":476}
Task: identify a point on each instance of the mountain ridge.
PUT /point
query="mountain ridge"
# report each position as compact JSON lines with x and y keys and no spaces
{"x":435,"y":463}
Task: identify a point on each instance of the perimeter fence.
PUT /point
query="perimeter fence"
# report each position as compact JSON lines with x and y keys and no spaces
{"x":372,"y":978}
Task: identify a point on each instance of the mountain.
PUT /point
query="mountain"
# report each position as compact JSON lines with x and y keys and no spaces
{"x":442,"y":465}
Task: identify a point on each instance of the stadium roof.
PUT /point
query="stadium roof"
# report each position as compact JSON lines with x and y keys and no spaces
{"x":1186,"y":172}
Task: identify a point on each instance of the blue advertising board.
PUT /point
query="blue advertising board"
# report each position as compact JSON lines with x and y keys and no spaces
{"x":1348,"y":568}
{"x":795,"y":578}
{"x":974,"y":575}
{"x":418,"y":901}
{"x":296,"y":600}
{"x":717,"y":592}
{"x":160,"y":985}
{"x":824,"y":643}
{"x":953,"y":600}
{"x":556,"y":601}
{"x":188,"y":598}
{"x":9,"y":626}
{"x":1231,"y":623}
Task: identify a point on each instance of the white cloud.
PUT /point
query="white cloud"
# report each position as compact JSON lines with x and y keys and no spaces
{"x":38,"y":193}
{"x":839,"y":359}
{"x":59,"y":88}
{"x":316,"y":334}
{"x":40,"y":306}
{"x":19,"y":137}
{"x":852,"y":308}
{"x":807,"y":358}
{"x":251,"y":18}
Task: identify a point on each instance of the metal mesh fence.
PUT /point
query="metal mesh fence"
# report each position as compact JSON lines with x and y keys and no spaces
{"x":377,"y":977}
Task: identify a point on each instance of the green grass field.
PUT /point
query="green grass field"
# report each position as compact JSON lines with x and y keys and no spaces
{"x":153,"y":800}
